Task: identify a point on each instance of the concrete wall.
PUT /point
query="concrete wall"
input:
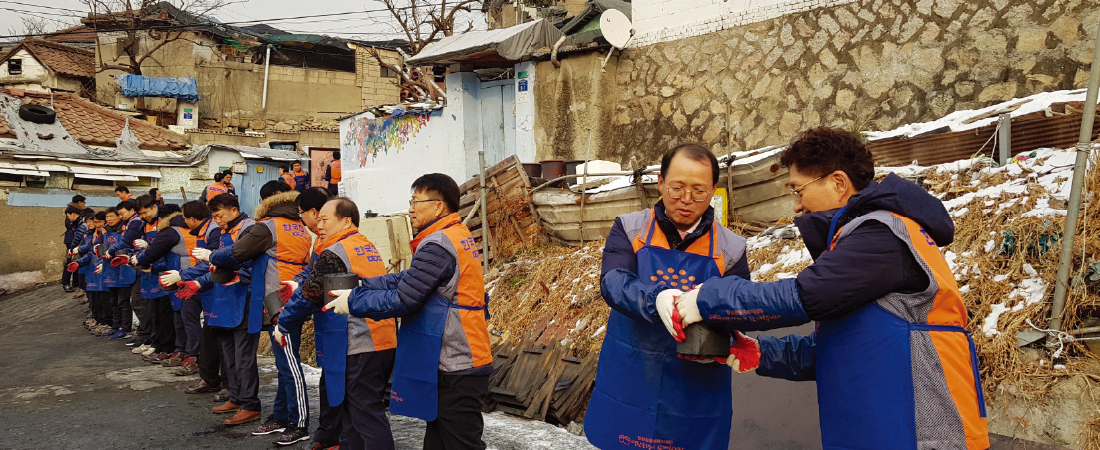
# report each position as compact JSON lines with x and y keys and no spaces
{"x":866,"y":65}
{"x":311,"y":138}
{"x":231,"y":92}
{"x":31,"y":238}
{"x":382,"y":157}
{"x":666,"y":20}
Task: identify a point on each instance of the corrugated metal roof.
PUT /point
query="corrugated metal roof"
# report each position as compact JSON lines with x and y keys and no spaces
{"x":1027,"y":134}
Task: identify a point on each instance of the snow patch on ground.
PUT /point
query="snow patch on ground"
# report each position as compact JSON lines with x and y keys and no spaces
{"x":19,"y":281}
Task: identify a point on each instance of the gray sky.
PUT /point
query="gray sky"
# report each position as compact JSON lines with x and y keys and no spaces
{"x":62,"y":13}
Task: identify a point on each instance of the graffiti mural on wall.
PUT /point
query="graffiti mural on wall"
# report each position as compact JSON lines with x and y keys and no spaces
{"x":367,"y":138}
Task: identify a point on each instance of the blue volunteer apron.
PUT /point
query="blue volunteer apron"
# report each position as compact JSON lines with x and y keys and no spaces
{"x":150,"y":281}
{"x":647,"y":397}
{"x":227,"y":310}
{"x":415,"y":391}
{"x":121,"y":276}
{"x":331,"y":339}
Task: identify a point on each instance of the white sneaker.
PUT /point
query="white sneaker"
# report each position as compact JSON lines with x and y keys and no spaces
{"x":140,"y":350}
{"x":149,"y":351}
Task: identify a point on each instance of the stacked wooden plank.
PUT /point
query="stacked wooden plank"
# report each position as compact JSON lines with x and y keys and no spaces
{"x":512,"y":221}
{"x":542,"y":383}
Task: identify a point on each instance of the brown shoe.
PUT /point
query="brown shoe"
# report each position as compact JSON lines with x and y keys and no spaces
{"x":242,"y":416}
{"x":226,"y":407}
{"x":173,"y":361}
{"x":201,"y":388}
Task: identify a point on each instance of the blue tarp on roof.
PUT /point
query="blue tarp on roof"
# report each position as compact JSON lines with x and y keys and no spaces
{"x":183,"y":88}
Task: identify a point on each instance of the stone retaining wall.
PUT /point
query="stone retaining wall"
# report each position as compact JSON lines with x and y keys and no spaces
{"x":866,"y":65}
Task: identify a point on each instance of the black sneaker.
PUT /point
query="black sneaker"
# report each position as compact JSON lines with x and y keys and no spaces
{"x":319,"y":446}
{"x":293,"y":435}
{"x":67,"y":288}
{"x":269,"y":425}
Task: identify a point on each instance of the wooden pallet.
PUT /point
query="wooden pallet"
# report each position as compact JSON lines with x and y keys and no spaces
{"x":512,"y":221}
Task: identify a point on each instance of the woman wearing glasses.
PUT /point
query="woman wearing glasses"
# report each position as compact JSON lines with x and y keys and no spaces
{"x":645,"y":396}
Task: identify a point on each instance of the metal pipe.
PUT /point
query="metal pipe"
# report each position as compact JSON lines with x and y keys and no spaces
{"x":1004,"y":137}
{"x":267,"y":67}
{"x":1085,"y":330}
{"x":587,"y":150}
{"x":1084,"y":147}
{"x":554,"y":52}
{"x":605,"y":174}
{"x":484,"y":216}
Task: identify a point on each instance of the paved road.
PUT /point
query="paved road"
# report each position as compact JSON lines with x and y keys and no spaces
{"x":63,"y":388}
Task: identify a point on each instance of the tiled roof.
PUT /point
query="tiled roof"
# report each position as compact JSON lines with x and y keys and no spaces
{"x":93,"y":124}
{"x":79,"y":33}
{"x":63,"y":59}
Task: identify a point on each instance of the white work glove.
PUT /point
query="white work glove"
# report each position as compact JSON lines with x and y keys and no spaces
{"x":666,"y":305}
{"x":340,"y":304}
{"x":278,"y":337}
{"x":140,"y":243}
{"x":286,"y":290}
{"x":99,"y":269}
{"x":201,"y":254}
{"x":170,"y":278}
{"x":133,"y":260}
{"x":687,"y":312}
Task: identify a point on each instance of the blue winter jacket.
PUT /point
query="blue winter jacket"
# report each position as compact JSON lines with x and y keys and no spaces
{"x":864,"y":267}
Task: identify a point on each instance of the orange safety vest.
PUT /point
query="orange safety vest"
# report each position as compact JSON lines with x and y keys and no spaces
{"x":214,"y":190}
{"x":939,"y":376}
{"x":361,"y":257}
{"x":467,"y":289}
{"x":288,"y":179}
{"x":334,"y":172}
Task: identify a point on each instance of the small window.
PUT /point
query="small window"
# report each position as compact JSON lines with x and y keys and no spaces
{"x":15,"y":67}
{"x":388,"y":72}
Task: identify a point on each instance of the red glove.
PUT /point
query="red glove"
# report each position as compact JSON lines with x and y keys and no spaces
{"x":187,"y":289}
{"x":744,"y":354}
{"x":72,"y":267}
{"x":120,"y":261}
{"x":678,"y":326}
{"x":286,"y":290}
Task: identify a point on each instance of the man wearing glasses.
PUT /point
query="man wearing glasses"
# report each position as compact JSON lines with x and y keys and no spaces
{"x":894,"y":364}
{"x":645,"y":396}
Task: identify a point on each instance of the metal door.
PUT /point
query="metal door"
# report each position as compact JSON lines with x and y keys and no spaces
{"x":497,"y":100}
{"x":248,"y":188}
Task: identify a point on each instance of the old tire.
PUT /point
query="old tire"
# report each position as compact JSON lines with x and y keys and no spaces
{"x":37,"y":114}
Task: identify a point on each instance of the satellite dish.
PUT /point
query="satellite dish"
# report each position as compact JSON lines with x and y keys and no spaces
{"x":615,"y":27}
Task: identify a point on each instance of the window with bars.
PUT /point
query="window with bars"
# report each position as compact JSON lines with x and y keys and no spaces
{"x":15,"y":66}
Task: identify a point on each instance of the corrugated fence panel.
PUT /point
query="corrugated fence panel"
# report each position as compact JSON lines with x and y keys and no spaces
{"x":1029,"y":134}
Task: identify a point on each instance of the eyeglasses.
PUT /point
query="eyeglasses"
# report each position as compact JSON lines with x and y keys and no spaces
{"x":412,"y":202}
{"x":697,"y":195}
{"x":798,"y":190}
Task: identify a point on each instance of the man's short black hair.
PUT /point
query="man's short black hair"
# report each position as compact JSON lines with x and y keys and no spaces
{"x":72,"y":210}
{"x":823,"y":150}
{"x":196,"y":209}
{"x":111,"y":211}
{"x":78,"y":198}
{"x":442,"y":185}
{"x":695,"y":152}
{"x":88,"y":212}
{"x":127,"y":204}
{"x":168,"y":209}
{"x":122,"y":189}
{"x":223,"y":201}
{"x":147,"y":201}
{"x":313,"y":198}
{"x":346,"y":208}
{"x":273,"y":187}
{"x":285,"y":167}
{"x":336,"y":156}
{"x":153,"y":191}
{"x":102,"y":215}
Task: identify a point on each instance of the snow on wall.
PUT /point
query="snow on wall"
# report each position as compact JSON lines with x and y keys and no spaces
{"x":667,"y":20}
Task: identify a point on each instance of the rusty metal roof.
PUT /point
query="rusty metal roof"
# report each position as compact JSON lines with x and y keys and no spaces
{"x":1028,"y":133}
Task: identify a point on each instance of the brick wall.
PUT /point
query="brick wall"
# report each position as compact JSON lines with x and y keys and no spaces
{"x":375,"y":89}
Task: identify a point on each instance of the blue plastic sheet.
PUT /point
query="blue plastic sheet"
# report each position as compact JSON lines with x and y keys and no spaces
{"x":183,"y":88}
